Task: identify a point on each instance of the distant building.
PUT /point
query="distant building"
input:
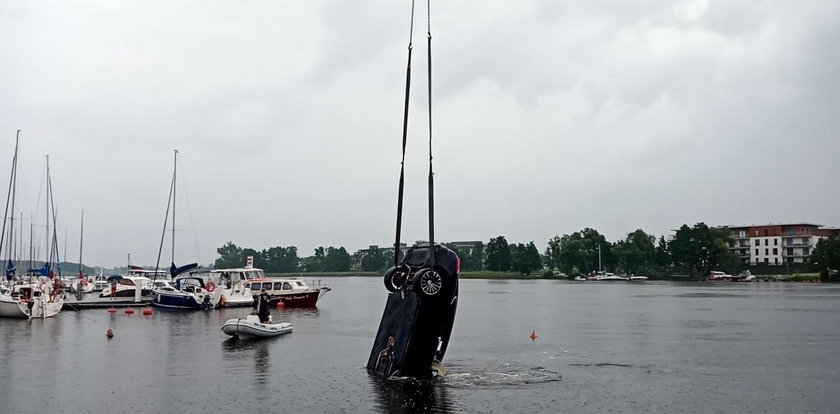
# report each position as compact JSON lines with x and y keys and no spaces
{"x":777,"y":243}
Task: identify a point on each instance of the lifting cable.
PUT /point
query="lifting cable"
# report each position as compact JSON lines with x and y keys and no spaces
{"x":404,"y":139}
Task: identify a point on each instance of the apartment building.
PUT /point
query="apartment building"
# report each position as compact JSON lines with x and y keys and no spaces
{"x":777,"y":243}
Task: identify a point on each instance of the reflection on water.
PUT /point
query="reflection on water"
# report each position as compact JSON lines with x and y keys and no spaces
{"x":251,"y":348}
{"x":400,"y":395}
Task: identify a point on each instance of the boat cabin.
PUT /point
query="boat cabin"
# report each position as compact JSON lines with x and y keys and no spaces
{"x":277,"y":286}
{"x":231,"y":277}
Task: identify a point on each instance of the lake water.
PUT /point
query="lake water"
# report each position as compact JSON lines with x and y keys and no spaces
{"x":600,"y":347}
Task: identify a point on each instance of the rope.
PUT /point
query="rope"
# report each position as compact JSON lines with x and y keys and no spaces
{"x":404,"y":139}
{"x":431,"y":174}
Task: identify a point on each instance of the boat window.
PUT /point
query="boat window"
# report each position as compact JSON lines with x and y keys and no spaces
{"x":287,"y":286}
{"x":278,"y":285}
{"x":299,"y":284}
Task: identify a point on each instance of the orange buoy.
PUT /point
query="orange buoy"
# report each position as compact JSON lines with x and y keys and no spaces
{"x":533,"y":335}
{"x":112,"y":310}
{"x":129,"y":311}
{"x":281,"y":304}
{"x":109,"y":334}
{"x":147,"y":311}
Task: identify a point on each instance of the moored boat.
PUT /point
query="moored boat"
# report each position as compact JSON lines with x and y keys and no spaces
{"x":234,"y":286}
{"x":292,"y":292}
{"x":29,"y":301}
{"x":718,"y":276}
{"x":251,"y":327}
{"x":189,"y":292}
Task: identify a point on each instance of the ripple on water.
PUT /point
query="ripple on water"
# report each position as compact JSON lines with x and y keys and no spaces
{"x":508,"y":375}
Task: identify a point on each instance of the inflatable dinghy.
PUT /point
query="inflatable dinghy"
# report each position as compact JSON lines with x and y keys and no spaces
{"x":251,"y":327}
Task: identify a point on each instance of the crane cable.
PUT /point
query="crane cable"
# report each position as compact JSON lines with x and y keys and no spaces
{"x":404,"y":140}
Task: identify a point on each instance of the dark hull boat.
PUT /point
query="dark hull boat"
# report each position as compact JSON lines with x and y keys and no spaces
{"x":417,"y":322}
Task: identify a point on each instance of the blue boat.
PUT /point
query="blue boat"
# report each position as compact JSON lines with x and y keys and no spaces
{"x":189,"y":292}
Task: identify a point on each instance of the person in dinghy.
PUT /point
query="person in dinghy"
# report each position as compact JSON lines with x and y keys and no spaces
{"x":261,"y":306}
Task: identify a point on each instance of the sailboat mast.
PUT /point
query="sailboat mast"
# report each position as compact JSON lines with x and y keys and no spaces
{"x":48,"y":239}
{"x":31,"y":248}
{"x":10,"y":199}
{"x":174,"y":175}
{"x":81,"y":240}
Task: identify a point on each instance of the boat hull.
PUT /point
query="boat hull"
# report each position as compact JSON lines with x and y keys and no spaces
{"x":252,"y":328}
{"x":12,"y":308}
{"x":307,"y":299}
{"x":175,"y":300}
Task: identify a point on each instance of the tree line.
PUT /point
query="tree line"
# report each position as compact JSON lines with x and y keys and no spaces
{"x":693,"y":251}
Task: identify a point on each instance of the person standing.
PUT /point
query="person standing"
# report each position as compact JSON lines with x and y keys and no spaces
{"x":261,"y":306}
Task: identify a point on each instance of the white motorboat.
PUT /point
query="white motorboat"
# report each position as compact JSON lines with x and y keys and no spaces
{"x":232,"y":283}
{"x":251,"y":327}
{"x":608,"y":277}
{"x":127,"y":286}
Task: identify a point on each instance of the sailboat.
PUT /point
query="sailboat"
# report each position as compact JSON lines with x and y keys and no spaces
{"x":19,"y":299}
{"x":188,"y":292}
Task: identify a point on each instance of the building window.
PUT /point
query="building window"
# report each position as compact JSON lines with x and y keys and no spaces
{"x":756,"y":252}
{"x":775,"y":242}
{"x":767,"y":260}
{"x":776,"y":260}
{"x":805,"y":251}
{"x":775,"y":251}
{"x":757,"y":242}
{"x":742,"y":234}
{"x":766,"y":242}
{"x":790,"y":251}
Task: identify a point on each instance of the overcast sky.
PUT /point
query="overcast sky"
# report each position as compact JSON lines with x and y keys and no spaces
{"x":548,"y":117}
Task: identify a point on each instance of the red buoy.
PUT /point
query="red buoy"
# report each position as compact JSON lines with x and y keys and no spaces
{"x":281,"y":304}
{"x":112,"y":310}
{"x":147,"y":311}
{"x":533,"y":335}
{"x":129,"y":311}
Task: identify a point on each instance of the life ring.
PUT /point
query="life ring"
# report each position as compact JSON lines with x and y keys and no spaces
{"x":210,"y":286}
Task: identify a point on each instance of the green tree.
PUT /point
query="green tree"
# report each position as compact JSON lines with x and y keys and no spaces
{"x":582,"y":251}
{"x":372,"y":259}
{"x":636,"y":253}
{"x":231,"y":256}
{"x":498,"y":255}
{"x":826,"y":258}
{"x":525,"y":258}
{"x":337,"y":260}
{"x":662,"y":255}
{"x":700,"y":249}
{"x":280,"y":259}
{"x":552,"y":253}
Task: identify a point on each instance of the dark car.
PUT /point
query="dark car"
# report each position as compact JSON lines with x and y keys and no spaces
{"x":419,"y":313}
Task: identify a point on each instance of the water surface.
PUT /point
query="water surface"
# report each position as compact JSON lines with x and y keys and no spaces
{"x":600,"y":347}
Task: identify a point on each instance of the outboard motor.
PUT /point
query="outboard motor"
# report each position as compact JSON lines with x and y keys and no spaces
{"x":419,"y":313}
